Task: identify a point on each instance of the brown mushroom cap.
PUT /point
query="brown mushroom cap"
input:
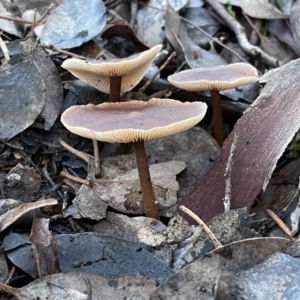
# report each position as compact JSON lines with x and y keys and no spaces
{"x":124,"y":122}
{"x":215,"y":78}
{"x":97,"y":73}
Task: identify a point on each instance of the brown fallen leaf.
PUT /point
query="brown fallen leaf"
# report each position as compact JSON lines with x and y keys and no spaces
{"x":12,"y":215}
{"x":43,"y":248}
{"x":122,"y":29}
{"x":265,"y":130}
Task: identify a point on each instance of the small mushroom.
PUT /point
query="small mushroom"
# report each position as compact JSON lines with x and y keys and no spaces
{"x":135,"y":121}
{"x":215,"y":79}
{"x":113,"y":76}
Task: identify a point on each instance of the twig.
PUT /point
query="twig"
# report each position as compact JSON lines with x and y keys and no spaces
{"x":239,"y":31}
{"x":52,"y":183}
{"x":97,"y":159}
{"x":227,"y":174}
{"x":142,"y":89}
{"x":280,"y":223}
{"x":17,"y":20}
{"x":32,"y":26}
{"x":215,"y":40}
{"x":253,"y":26}
{"x":84,"y":156}
{"x":45,"y":13}
{"x":4,"y":49}
{"x":133,"y":13}
{"x":51,"y":47}
{"x":10,"y":275}
{"x":204,"y":226}
{"x":74,"y":178}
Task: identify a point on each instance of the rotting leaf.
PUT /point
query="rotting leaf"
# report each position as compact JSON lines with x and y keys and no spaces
{"x":196,"y":281}
{"x":275,"y":278}
{"x":258,"y":9}
{"x":122,"y":29}
{"x":22,"y":183}
{"x":73,"y":23}
{"x":265,"y":130}
{"x":138,"y":230}
{"x":43,"y":248}
{"x":53,"y":86}
{"x":109,"y":256}
{"x":79,"y":286}
{"x":22,"y":98}
{"x":186,"y":49}
{"x":89,"y":205}
{"x":149,"y":16}
{"x":12,"y":215}
{"x":233,"y":225}
{"x":123,"y":192}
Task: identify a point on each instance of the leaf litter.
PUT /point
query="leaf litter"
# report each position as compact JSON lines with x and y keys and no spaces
{"x":63,"y":212}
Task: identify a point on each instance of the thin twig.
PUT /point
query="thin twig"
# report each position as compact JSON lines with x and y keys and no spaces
{"x":240,"y":34}
{"x":215,"y":40}
{"x":253,"y":26}
{"x":51,"y":47}
{"x":17,"y":20}
{"x":52,"y":183}
{"x":227,"y":174}
{"x":10,"y":275}
{"x":4,"y":49}
{"x":74,"y":178}
{"x":280,"y":223}
{"x":142,"y":89}
{"x":45,"y":13}
{"x":133,"y":13}
{"x":84,"y":156}
{"x":33,"y":26}
{"x":97,"y":159}
{"x":204,"y":226}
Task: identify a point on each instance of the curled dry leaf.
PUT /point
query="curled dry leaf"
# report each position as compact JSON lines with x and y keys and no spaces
{"x":12,"y":215}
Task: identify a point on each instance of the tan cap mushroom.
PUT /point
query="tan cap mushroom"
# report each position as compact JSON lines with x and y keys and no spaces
{"x":129,"y":71}
{"x":124,"y":122}
{"x":134,"y":121}
{"x":215,"y":79}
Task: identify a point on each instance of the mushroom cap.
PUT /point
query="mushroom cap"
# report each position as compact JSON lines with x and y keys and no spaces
{"x":215,"y":78}
{"x":97,"y":72}
{"x":124,"y":122}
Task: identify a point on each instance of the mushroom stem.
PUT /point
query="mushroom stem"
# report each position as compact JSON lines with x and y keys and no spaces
{"x":145,"y":180}
{"x":217,"y":113}
{"x":115,"y":88}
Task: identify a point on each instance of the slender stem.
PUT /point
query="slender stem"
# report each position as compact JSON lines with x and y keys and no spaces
{"x":97,"y":159}
{"x":115,"y":89}
{"x":217,"y":113}
{"x":145,"y":180}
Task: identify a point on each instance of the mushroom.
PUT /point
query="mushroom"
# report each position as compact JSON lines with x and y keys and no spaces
{"x":135,"y":121}
{"x":215,"y":79}
{"x":113,"y":76}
